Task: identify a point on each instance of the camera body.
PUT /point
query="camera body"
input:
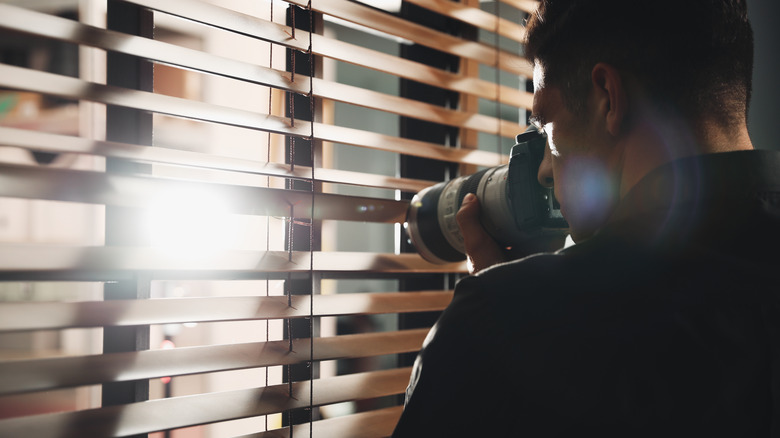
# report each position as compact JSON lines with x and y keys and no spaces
{"x":517,"y":211}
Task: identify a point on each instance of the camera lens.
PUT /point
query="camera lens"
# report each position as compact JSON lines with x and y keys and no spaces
{"x":515,"y":208}
{"x":431,"y":223}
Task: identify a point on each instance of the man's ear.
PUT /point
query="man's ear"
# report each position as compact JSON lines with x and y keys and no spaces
{"x":611,"y":98}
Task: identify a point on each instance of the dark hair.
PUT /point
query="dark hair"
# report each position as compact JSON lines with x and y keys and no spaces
{"x":690,"y":56}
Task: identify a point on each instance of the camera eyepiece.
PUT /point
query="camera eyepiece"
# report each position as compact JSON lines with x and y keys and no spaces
{"x":516,"y":209}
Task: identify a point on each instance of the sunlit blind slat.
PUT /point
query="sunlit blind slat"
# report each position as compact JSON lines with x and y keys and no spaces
{"x":358,"y":13}
{"x":173,"y":413}
{"x":47,"y":83}
{"x":134,"y":191}
{"x":203,"y":206}
{"x":528,"y":6}
{"x":39,"y":141}
{"x":371,"y":424}
{"x":53,"y":315}
{"x":39,"y":375}
{"x":240,"y":23}
{"x":475,"y":16}
{"x":101,"y":263}
{"x":38,"y":24}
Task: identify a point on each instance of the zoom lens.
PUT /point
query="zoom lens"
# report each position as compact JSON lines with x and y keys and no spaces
{"x":516,"y":209}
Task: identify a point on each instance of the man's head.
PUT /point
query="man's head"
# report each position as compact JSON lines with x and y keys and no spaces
{"x":602,"y":67}
{"x":685,"y":55}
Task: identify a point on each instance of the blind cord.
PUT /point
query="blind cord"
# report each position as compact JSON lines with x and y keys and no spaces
{"x":496,"y":37}
{"x":312,"y":108}
{"x":290,"y":226}
{"x":268,"y":184}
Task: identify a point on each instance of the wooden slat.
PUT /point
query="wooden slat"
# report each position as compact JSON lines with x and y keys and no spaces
{"x":41,"y":141}
{"x":34,"y":262}
{"x":474,"y":16}
{"x":89,"y":187}
{"x":528,"y":6}
{"x":469,"y":139}
{"x":17,"y":261}
{"x":72,"y":88}
{"x":373,"y":140}
{"x":20,"y":316}
{"x":417,"y":109}
{"x":212,"y":15}
{"x":372,"y":424}
{"x":378,"y":20}
{"x":61,"y":29}
{"x":421,"y":73}
{"x":178,"y":412}
{"x":22,"y":376}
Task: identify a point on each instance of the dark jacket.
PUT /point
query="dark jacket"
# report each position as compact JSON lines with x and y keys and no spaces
{"x":666,"y":323}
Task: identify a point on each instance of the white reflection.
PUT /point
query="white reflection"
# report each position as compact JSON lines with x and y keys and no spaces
{"x":189,"y":224}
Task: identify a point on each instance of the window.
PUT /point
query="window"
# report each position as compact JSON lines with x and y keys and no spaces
{"x":201,"y":206}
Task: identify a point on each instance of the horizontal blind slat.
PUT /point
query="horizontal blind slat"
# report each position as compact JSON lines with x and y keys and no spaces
{"x":177,"y":412}
{"x":47,"y":83}
{"x":416,"y":109}
{"x":474,"y":16}
{"x":109,"y":263}
{"x":20,"y":262}
{"x":62,"y":29}
{"x":72,"y":88}
{"x":21,"y":376}
{"x":420,"y":73}
{"x":41,"y":141}
{"x":528,"y":6}
{"x":378,"y":20}
{"x":428,"y":75}
{"x":338,"y":134}
{"x":61,"y":315}
{"x":233,"y":21}
{"x":378,"y":423}
{"x":230,"y":20}
{"x":143,"y":192}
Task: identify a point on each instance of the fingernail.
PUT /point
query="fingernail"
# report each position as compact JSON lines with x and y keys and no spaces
{"x":469,"y":198}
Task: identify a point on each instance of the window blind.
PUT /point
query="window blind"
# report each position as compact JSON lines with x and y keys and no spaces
{"x":202,"y":205}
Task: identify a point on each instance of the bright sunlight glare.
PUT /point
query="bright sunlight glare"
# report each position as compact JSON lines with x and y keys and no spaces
{"x":190,"y":224}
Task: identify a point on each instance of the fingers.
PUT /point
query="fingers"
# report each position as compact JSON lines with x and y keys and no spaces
{"x":481,"y":249}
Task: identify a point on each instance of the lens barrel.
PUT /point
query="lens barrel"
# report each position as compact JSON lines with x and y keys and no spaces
{"x":422,"y":219}
{"x":515,"y":208}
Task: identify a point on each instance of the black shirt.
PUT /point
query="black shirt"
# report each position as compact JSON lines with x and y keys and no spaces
{"x":665,"y":323}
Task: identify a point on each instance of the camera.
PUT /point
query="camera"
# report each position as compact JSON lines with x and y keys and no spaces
{"x":517,"y":211}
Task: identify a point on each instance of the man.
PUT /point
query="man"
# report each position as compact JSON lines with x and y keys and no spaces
{"x":664,"y":318}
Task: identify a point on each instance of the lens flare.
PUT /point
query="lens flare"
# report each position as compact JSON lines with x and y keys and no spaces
{"x":590,"y":194}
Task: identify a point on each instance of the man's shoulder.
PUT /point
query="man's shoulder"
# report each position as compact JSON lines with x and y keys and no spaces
{"x":538,"y":287}
{"x":534,"y":270}
{"x":541,"y":269}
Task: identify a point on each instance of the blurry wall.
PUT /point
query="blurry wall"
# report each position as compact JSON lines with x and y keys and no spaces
{"x":765,"y":107}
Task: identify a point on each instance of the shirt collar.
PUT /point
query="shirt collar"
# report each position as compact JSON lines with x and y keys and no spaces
{"x":675,"y":199}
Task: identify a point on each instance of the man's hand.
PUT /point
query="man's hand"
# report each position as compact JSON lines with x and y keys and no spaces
{"x":481,"y":249}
